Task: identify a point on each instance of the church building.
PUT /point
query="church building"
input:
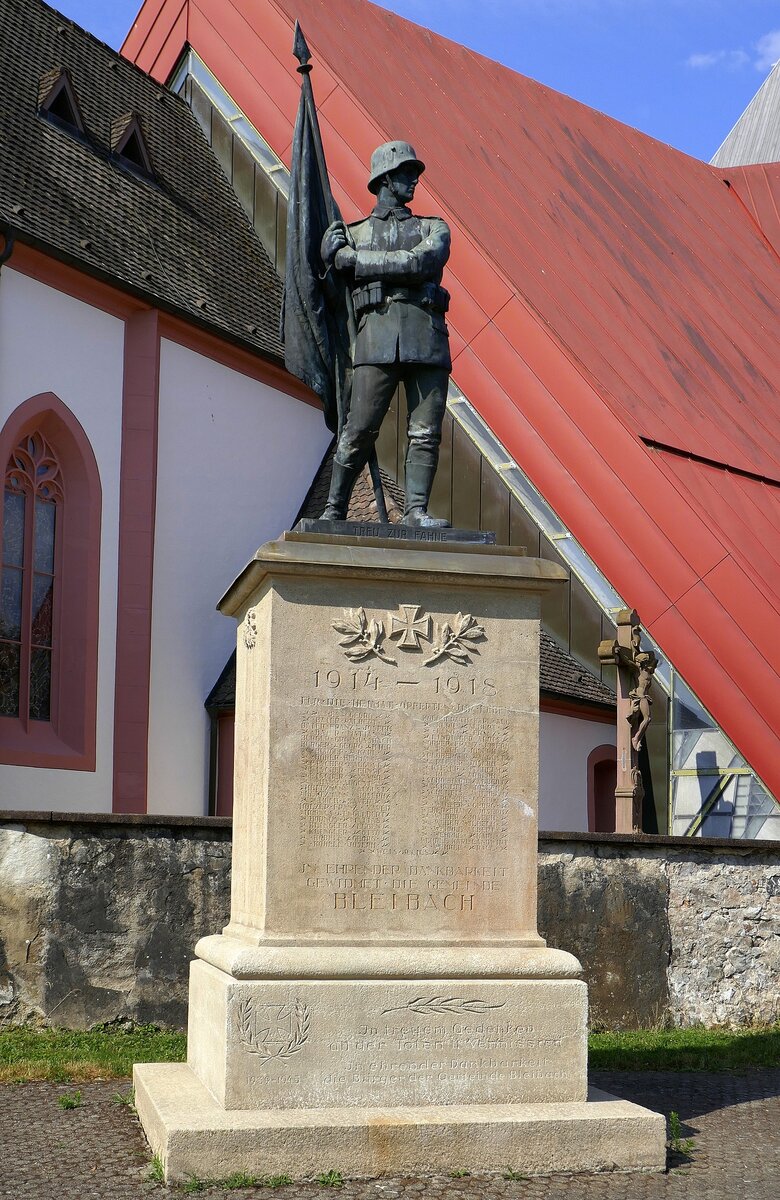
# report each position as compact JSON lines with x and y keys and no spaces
{"x":612,"y":408}
{"x":150,"y":439}
{"x":615,"y":358}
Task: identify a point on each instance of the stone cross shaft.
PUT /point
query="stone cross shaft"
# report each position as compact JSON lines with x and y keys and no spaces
{"x":635,"y":669}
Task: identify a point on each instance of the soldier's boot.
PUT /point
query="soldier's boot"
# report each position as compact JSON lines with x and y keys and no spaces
{"x":419,"y":481}
{"x":342,"y":482}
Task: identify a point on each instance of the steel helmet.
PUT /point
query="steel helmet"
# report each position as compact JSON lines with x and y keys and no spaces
{"x":388,"y":157}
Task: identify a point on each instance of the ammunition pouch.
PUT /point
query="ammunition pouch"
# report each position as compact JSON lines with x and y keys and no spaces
{"x":367,"y":298}
{"x":373,"y":295}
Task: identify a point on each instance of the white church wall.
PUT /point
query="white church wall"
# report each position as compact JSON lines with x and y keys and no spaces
{"x":50,"y":342}
{"x":235,"y":460}
{"x":564,"y":745}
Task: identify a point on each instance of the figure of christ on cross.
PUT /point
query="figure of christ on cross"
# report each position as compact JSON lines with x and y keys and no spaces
{"x":635,"y":668}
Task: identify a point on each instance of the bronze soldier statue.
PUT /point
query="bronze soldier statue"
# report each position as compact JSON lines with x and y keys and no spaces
{"x":393,"y":262}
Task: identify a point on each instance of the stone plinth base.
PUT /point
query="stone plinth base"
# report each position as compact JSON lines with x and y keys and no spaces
{"x":194,"y":1135}
{"x":388,"y":1043}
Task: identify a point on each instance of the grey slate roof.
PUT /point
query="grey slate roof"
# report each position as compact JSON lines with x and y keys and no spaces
{"x":756,"y":136}
{"x":183,"y":242}
{"x":222,"y":697}
{"x":560,"y":674}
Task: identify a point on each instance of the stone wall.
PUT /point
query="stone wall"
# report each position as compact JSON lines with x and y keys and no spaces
{"x":99,"y":915}
{"x":668,"y":930}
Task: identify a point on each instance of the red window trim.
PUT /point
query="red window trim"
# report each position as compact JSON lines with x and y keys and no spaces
{"x":68,"y":741}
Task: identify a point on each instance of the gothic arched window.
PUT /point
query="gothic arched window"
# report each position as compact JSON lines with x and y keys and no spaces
{"x":32,"y":511}
{"x":50,"y":506}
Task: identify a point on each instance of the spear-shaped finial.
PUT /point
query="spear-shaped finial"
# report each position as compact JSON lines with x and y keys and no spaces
{"x":301,"y":50}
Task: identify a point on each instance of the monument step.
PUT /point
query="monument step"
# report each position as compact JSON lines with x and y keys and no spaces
{"x":194,"y":1136}
{"x":294,"y":1043}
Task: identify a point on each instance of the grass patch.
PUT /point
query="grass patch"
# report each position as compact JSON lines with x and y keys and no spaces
{"x":73,"y":1101}
{"x":677,"y":1143}
{"x":64,"y":1056}
{"x":331,"y":1179}
{"x":194,"y":1184}
{"x":685,"y":1049}
{"x":156,"y":1172}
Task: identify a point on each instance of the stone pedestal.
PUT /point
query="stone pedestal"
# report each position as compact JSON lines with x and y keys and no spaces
{"x":381,"y":999}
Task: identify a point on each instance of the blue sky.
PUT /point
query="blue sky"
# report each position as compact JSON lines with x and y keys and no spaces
{"x":680,"y":70}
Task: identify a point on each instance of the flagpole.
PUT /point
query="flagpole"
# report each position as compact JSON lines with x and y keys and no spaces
{"x":301,"y":52}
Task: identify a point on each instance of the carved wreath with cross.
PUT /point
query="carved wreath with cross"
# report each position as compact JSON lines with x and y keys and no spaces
{"x":414,"y":630}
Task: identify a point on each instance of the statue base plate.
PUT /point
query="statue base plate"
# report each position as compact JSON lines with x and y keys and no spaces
{"x":195,"y":1136}
{"x":395,"y":533}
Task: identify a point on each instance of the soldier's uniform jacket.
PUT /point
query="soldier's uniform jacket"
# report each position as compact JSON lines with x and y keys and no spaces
{"x":399,"y":301}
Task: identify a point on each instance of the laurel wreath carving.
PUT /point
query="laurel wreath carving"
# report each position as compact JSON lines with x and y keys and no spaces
{"x":456,"y":641}
{"x":362,"y":637}
{"x":250,"y":629}
{"x":445,"y":1005}
{"x":255,"y":1045}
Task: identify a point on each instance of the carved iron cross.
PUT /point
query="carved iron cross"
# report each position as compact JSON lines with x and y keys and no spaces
{"x":411,"y":627}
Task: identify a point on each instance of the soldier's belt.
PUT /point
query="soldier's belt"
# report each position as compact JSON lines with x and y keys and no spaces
{"x":372,"y":295}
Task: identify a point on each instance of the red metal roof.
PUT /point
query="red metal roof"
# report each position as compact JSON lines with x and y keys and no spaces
{"x":608,"y":292}
{"x":759,"y":189}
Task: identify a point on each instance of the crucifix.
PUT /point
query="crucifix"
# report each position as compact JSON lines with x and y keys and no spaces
{"x":635,"y":669}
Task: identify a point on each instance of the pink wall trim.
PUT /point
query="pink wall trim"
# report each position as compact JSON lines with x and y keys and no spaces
{"x":72,"y":282}
{"x":137,"y":495}
{"x":572,"y":708}
{"x":236,"y":358}
{"x":109,"y":299}
{"x":226,"y":730}
{"x":67,"y":742}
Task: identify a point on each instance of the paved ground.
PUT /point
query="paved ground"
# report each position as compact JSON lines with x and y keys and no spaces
{"x":97,"y":1151}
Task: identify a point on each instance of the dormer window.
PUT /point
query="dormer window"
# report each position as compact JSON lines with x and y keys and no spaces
{"x":57,"y":100}
{"x":128,"y":145}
